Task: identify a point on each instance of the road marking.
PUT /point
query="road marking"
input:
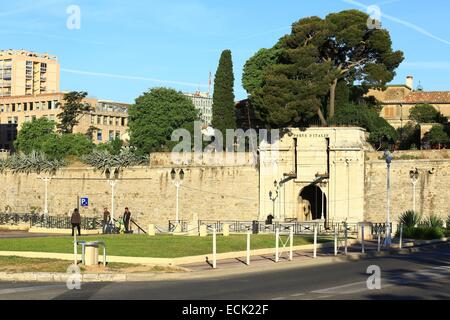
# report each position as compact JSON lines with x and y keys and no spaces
{"x":297,"y":294}
{"x":28,"y":289}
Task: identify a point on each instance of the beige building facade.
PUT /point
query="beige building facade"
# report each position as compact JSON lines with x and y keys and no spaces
{"x":314,"y":174}
{"x":29,"y":89}
{"x":28,"y":73}
{"x":398,"y":100}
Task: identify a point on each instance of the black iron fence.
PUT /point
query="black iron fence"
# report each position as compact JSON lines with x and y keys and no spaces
{"x":41,"y":221}
{"x":299,"y":228}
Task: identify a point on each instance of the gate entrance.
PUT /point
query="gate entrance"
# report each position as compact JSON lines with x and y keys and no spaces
{"x":312,"y":204}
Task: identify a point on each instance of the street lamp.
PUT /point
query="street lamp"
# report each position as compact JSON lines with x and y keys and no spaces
{"x":414,"y":175}
{"x":112,"y":182}
{"x":274,"y":196}
{"x":389,"y":158}
{"x":177,"y":183}
{"x":46,"y":181}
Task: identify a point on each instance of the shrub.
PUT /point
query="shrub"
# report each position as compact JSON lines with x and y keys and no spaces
{"x":410,"y":219}
{"x":448,"y":222}
{"x":423,"y":233}
{"x":433,"y":221}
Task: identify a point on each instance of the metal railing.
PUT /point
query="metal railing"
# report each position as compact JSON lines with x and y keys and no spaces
{"x":17,"y":218}
{"x":64,"y":223}
{"x":299,"y":228}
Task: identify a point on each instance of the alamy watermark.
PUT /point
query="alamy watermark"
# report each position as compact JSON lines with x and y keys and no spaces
{"x":74,"y":18}
{"x":235,"y":147}
{"x":74,"y":280}
{"x":374,"y":280}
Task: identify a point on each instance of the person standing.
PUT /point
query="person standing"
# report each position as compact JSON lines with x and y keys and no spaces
{"x":106,"y":220}
{"x":126,"y":219}
{"x":75,"y":220}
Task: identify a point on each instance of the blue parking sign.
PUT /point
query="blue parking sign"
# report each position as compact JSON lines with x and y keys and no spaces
{"x":84,"y":202}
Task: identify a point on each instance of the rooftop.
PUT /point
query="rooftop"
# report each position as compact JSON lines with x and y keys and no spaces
{"x":11,"y":52}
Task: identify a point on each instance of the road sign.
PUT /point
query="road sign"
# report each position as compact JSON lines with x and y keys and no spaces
{"x":84,"y":202}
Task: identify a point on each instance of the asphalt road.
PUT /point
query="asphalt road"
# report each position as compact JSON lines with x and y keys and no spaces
{"x":421,"y":275}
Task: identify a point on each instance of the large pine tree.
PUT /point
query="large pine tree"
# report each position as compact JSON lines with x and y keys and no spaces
{"x":223,"y":98}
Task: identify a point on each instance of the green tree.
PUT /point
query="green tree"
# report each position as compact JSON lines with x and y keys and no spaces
{"x":437,"y":136}
{"x":155,"y":115}
{"x":380,"y":131}
{"x":60,"y":146}
{"x":426,"y":113}
{"x":256,"y":67}
{"x":113,"y":147}
{"x":72,"y":107}
{"x":347,"y":51}
{"x":33,"y":133}
{"x":223,"y":110}
{"x":409,"y":136}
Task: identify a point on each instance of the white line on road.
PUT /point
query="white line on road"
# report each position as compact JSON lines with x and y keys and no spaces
{"x":27,"y":289}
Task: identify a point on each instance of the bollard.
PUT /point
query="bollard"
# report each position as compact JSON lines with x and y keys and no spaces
{"x":277,"y":236}
{"x":379,"y":241}
{"x":226,"y":229}
{"x":151,"y":230}
{"x":248,"y":247}
{"x":214,"y":248}
{"x":335,"y":242}
{"x":75,"y":261}
{"x":362,"y":240}
{"x":315,"y":241}
{"x":291,"y":243}
{"x":345,"y":238}
{"x":400,"y":245}
{"x":203,"y":231}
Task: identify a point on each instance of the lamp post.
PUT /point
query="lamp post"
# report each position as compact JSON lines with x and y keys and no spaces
{"x":46,"y":181}
{"x":414,"y":175}
{"x":322,"y":215}
{"x":389,"y":158}
{"x":274,"y":196}
{"x":112,"y":182}
{"x":177,"y":183}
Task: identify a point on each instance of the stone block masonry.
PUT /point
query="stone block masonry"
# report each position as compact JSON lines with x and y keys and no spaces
{"x":208,"y":192}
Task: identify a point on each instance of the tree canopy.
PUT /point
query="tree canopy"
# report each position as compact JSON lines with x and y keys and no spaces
{"x":155,"y":115}
{"x":310,"y":62}
{"x":39,"y":135}
{"x":426,"y":113}
{"x":72,"y":107}
{"x":437,"y":137}
{"x":223,"y":109}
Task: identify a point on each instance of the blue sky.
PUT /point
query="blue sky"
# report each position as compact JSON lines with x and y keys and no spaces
{"x":125,"y":47}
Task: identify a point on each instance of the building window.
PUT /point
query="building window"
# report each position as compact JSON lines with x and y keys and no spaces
{"x":99,"y":119}
{"x":111,"y":135}
{"x":99,"y":135}
{"x":117,"y":134}
{"x":105,"y":120}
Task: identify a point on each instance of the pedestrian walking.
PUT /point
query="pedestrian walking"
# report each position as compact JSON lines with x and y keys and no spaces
{"x":106,"y":221}
{"x":75,"y":220}
{"x":126,"y":219}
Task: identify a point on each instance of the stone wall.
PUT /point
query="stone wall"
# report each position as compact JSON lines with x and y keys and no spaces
{"x":210,"y":192}
{"x":432,"y":189}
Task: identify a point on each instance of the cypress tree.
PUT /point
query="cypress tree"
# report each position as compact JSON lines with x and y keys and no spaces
{"x":223,"y":98}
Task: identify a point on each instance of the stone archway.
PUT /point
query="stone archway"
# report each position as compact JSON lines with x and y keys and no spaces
{"x":310,"y":204}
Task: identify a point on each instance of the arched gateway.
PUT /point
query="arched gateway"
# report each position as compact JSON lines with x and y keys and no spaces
{"x":312,"y":204}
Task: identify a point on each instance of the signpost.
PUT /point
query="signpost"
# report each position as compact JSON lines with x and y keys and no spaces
{"x":84,"y":201}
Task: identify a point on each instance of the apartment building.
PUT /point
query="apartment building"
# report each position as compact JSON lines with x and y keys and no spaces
{"x":398,"y":100}
{"x":108,"y":119}
{"x":25,"y":73}
{"x":29,"y":89}
{"x":203,"y":103}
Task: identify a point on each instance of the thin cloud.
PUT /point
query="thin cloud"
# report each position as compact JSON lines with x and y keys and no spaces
{"x":427,"y":65}
{"x":127,"y":77}
{"x":402,"y":22}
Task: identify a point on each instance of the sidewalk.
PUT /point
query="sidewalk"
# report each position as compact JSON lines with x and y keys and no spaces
{"x":230,"y":267}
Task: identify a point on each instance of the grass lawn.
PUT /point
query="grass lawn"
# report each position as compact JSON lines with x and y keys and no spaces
{"x":20,"y":264}
{"x":161,"y":246}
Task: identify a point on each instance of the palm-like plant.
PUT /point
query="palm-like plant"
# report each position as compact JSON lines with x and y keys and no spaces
{"x":433,"y":221}
{"x":410,"y":219}
{"x":33,"y":162}
{"x":107,"y":163}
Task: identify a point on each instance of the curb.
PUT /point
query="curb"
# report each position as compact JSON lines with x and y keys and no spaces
{"x":143,"y":277}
